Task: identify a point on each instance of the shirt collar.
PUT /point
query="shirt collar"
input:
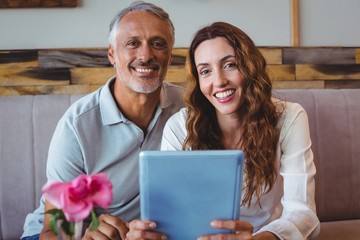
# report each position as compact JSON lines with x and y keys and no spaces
{"x":110,"y":113}
{"x":165,"y":102}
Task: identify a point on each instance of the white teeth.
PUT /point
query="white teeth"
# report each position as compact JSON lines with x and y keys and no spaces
{"x":224,"y":94}
{"x":144,"y":70}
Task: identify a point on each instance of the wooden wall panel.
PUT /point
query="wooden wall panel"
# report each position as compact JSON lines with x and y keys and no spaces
{"x":19,"y":65}
{"x":179,"y":56}
{"x":281,"y":72}
{"x":272,"y":55}
{"x":65,"y":71}
{"x":94,"y":87}
{"x":37,"y":3}
{"x":357,"y":57}
{"x":176,"y":74}
{"x":334,"y":55}
{"x":91,"y":76}
{"x":73,"y":58}
{"x":44,"y":90}
{"x":18,"y":59}
{"x":340,"y":84}
{"x":298,"y":84}
{"x":295,"y":39}
{"x":34,"y":76}
{"x":327,"y":72}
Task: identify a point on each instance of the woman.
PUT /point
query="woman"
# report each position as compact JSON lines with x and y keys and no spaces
{"x":230,"y":106}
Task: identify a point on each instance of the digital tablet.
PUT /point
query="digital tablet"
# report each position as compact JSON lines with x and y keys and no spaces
{"x":183,"y":191}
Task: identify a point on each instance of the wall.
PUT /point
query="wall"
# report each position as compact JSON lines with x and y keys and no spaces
{"x":63,"y":51}
{"x":322,"y":22}
{"x":329,"y":22}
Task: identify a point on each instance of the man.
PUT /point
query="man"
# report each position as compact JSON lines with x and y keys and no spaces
{"x":106,"y":130}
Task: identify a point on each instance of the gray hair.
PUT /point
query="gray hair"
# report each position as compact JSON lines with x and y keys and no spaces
{"x":140,"y":6}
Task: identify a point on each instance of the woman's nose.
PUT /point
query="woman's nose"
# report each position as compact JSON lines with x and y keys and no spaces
{"x":220,"y":79}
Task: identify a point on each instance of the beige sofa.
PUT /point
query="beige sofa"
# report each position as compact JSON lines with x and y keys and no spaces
{"x":27,"y":124}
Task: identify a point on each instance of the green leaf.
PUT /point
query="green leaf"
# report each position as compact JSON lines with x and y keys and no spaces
{"x":57,"y":214}
{"x":53,"y":221}
{"x":95,"y":222}
{"x":68,"y":228}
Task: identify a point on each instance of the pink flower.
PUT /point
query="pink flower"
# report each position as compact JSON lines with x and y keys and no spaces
{"x":78,"y":197}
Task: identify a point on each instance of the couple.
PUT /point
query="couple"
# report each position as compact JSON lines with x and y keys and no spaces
{"x":228,"y":106}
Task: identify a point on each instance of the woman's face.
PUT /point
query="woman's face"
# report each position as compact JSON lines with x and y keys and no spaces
{"x":219,"y":77}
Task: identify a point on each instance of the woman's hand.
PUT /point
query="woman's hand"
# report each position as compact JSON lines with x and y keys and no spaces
{"x":143,"y":230}
{"x":110,"y":228}
{"x":242,"y":230}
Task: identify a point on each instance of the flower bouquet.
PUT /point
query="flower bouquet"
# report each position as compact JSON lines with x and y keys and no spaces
{"x":75,"y":200}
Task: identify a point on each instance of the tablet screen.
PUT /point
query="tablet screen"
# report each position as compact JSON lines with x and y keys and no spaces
{"x":182,"y":191}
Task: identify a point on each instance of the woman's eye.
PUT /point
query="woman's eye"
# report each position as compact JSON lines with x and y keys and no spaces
{"x":230,"y":65}
{"x":204,"y":72}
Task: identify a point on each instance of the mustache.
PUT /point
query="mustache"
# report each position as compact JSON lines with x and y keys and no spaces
{"x":150,"y":64}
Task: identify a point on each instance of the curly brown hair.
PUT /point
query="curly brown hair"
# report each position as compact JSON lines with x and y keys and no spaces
{"x":260,"y":134}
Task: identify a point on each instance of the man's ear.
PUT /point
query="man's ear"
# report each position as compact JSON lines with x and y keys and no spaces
{"x":111,"y":53}
{"x":170,"y":59}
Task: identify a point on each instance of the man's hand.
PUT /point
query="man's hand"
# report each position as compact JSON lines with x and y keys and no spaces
{"x":143,"y":230}
{"x":110,"y":228}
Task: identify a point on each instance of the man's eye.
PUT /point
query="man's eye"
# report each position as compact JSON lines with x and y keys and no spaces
{"x":132,"y":43}
{"x":159,"y":44}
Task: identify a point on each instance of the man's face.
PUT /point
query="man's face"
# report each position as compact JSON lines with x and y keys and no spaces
{"x":142,"y":51}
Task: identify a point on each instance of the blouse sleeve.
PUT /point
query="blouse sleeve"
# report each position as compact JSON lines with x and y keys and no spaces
{"x":174,"y":133}
{"x":299,"y":219}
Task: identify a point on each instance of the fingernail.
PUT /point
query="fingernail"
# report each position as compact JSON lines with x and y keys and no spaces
{"x":152,"y":225}
{"x":164,"y":237}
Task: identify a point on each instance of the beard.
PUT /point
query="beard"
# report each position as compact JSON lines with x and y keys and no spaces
{"x":142,"y":84}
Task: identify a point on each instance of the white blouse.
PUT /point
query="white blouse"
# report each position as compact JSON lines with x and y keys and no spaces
{"x":288,"y":210}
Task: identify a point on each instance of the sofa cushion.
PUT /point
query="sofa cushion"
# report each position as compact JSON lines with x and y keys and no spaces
{"x":349,"y":230}
{"x":334,"y":119}
{"x":26,"y":127}
{"x":28,"y":122}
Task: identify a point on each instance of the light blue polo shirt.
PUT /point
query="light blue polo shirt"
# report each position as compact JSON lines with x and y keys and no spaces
{"x":94,"y":136}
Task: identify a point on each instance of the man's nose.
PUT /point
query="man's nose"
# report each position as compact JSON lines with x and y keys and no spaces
{"x":145,"y":53}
